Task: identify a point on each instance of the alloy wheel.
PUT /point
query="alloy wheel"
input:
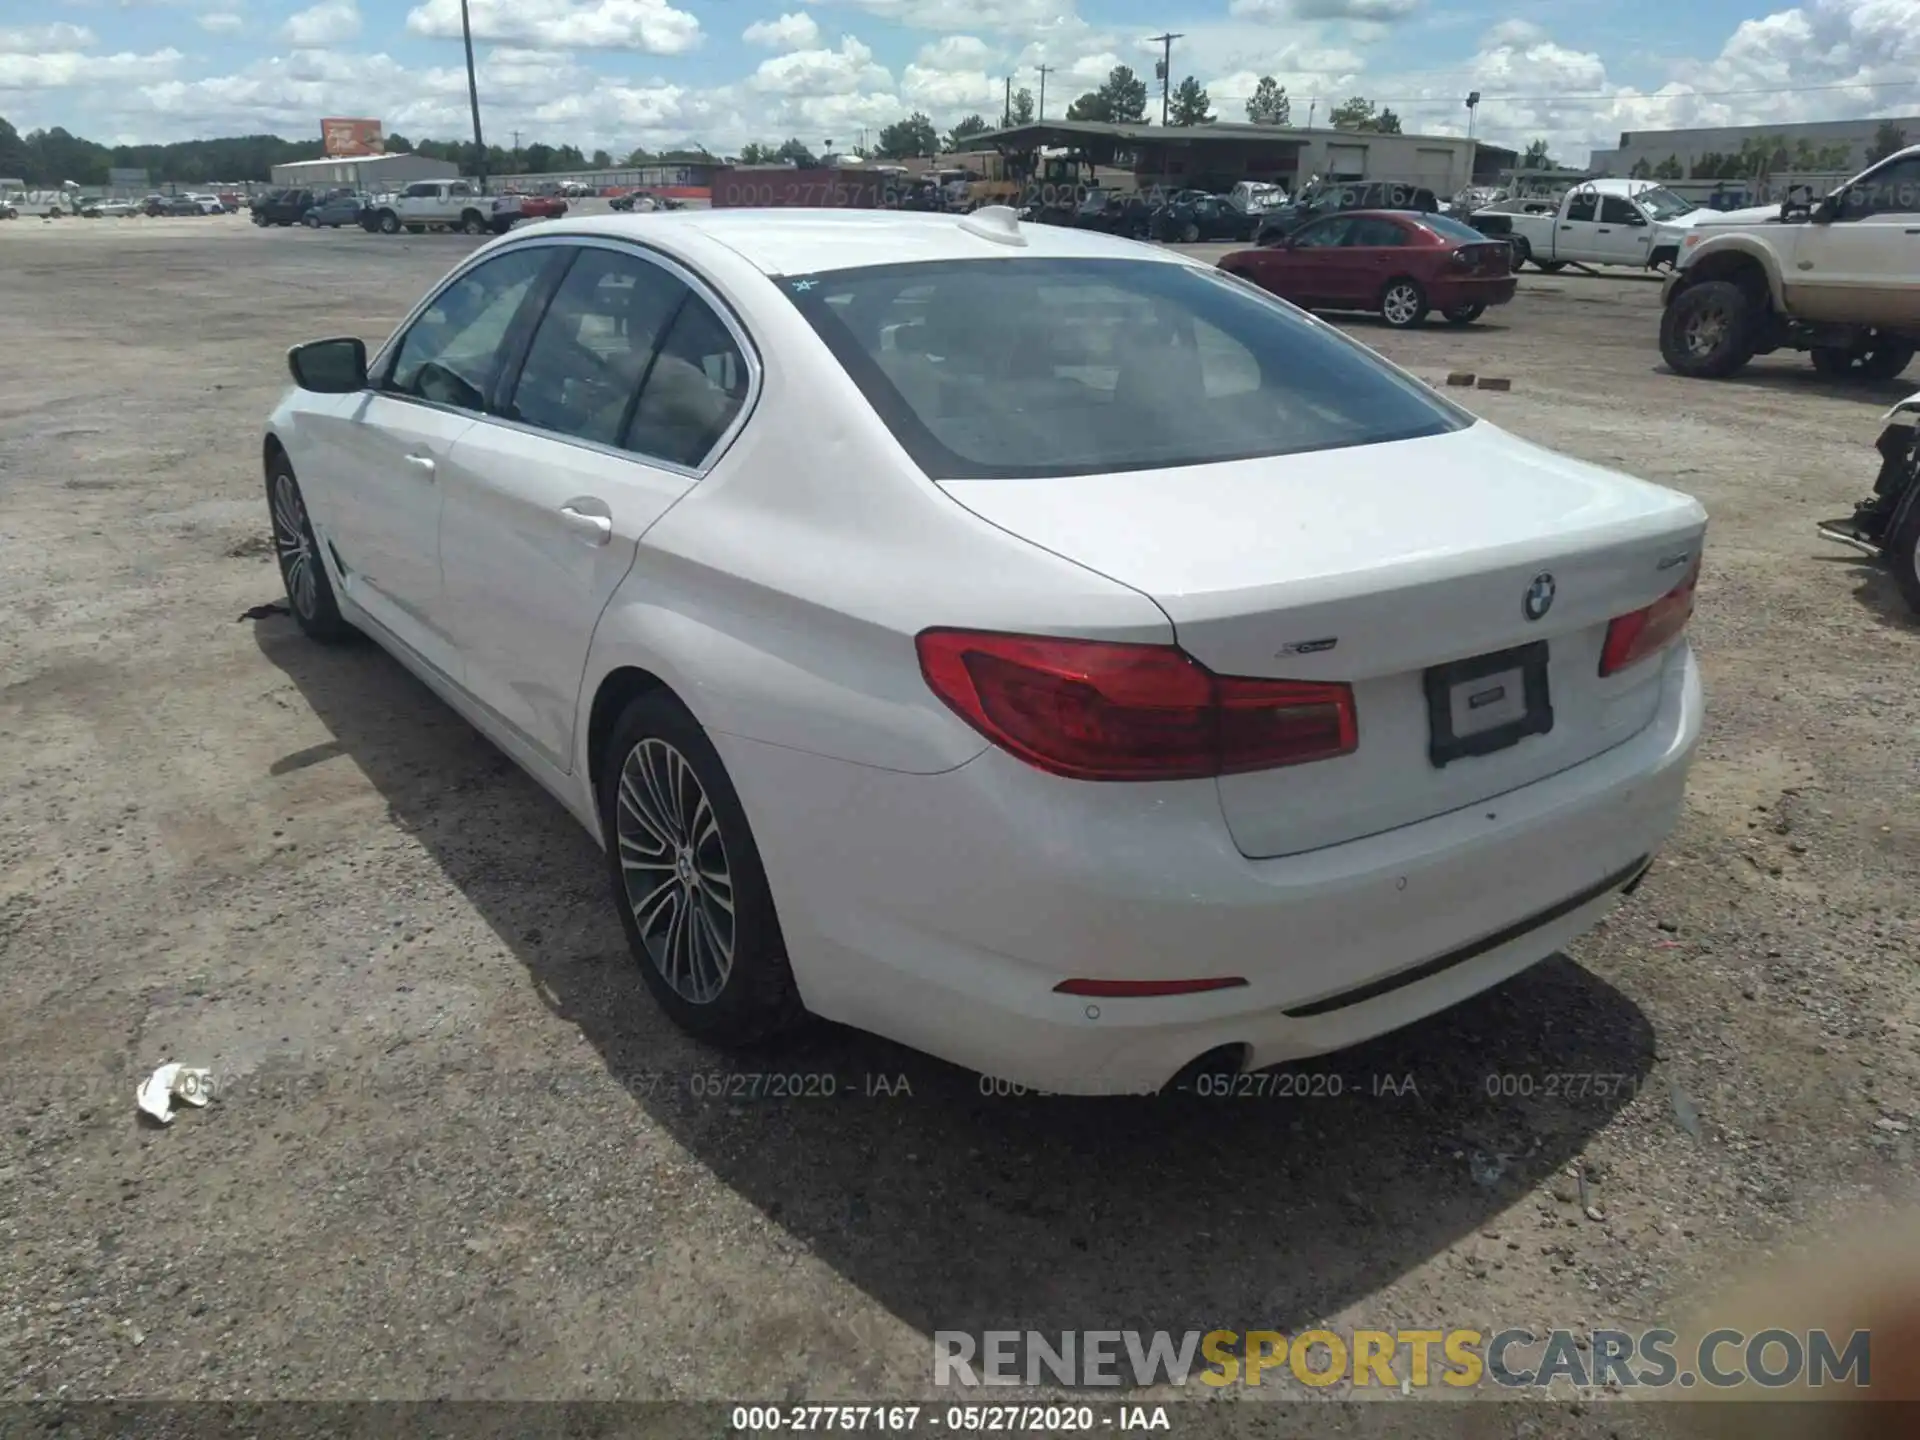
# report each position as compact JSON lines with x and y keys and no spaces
{"x":673,"y":864}
{"x":1401,"y":304}
{"x":1705,"y":331}
{"x":292,"y":542}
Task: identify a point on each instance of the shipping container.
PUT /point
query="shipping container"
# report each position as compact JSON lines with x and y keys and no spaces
{"x":845,"y":188}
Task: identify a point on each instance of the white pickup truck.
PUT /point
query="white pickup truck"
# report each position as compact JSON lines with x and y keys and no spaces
{"x":436,"y":205}
{"x":1599,"y":222}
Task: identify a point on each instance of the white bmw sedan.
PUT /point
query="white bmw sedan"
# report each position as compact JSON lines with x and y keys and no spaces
{"x":1035,"y":647}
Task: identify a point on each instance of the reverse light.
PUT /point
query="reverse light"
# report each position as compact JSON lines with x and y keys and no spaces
{"x":1145,"y":989}
{"x":1632,"y":638}
{"x":1094,"y":710}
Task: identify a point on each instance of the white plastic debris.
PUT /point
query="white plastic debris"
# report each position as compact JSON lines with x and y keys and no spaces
{"x":173,"y":1082}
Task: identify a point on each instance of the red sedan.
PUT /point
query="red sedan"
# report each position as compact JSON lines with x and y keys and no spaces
{"x":1395,"y":263}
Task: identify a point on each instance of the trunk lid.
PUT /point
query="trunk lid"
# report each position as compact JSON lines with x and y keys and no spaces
{"x":1406,"y":556}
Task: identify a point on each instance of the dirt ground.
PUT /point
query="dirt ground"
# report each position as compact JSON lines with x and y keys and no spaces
{"x":455,"y":1150}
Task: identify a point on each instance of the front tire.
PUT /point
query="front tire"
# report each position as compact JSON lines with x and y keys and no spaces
{"x":389,"y":223}
{"x":1707,"y":333}
{"x":309,"y":592}
{"x":473,"y":223}
{"x":687,"y":878}
{"x":310,"y":220}
{"x":1190,"y":234}
{"x":1522,"y":251}
{"x":1403,"y":304}
{"x":1549,"y":267}
{"x":1464,"y":314}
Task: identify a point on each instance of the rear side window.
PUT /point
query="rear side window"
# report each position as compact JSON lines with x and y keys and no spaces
{"x":584,"y":367}
{"x":1371,"y":232}
{"x":694,"y":389}
{"x":1450,"y":229}
{"x":1324,"y":234}
{"x":1013,"y":368}
{"x":1583,"y":206}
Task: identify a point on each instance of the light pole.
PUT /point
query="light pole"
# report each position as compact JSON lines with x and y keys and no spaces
{"x":1473,"y":105}
{"x":473,"y":100}
{"x":1045,"y":70}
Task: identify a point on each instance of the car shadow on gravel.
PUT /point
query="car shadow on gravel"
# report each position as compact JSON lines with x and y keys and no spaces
{"x":1803,"y":379}
{"x":956,"y":1206}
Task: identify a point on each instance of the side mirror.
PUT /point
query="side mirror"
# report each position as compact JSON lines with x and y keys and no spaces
{"x":329,"y":367}
{"x":1637,"y":221}
{"x":1828,"y":209}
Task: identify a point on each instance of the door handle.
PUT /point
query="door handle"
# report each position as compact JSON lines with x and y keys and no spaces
{"x":596,"y":528}
{"x":422,"y":463}
{"x":1605,"y":231}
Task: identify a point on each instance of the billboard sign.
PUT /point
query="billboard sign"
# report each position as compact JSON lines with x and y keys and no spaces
{"x":341,"y":139}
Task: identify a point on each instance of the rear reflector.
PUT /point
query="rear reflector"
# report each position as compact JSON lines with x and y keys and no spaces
{"x":1144,"y":989}
{"x":1632,"y":638}
{"x":1091,"y":710}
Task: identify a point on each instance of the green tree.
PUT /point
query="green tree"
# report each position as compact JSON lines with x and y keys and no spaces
{"x":753,"y":153}
{"x":1022,"y":113}
{"x":537,"y":158}
{"x":1189,"y":105}
{"x":1535,"y":157}
{"x":601,"y":160}
{"x":398,"y":145}
{"x":1120,"y":100}
{"x":1640,"y":170}
{"x":1888,"y":139}
{"x":1269,"y":105}
{"x":794,"y":153}
{"x":908,"y":138}
{"x":1358,"y":113}
{"x":1669,"y":169}
{"x":964,"y":131}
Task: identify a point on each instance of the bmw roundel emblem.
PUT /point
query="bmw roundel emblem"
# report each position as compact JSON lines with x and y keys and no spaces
{"x":1539,"y":596}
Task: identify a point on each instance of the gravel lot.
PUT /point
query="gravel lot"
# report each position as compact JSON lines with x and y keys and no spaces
{"x":456,"y":1152}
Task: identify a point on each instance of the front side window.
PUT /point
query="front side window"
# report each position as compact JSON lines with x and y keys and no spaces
{"x":1045,"y":367}
{"x":1584,"y":206}
{"x":1891,"y":190}
{"x":591,"y":351}
{"x":452,"y":353}
{"x":1616,"y":211}
{"x":1324,"y":235}
{"x":421,"y":191}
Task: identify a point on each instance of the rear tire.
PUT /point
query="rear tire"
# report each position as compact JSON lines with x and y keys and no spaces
{"x":1881,"y":360}
{"x":1549,"y":267}
{"x":1902,"y":551}
{"x":1707,"y":333}
{"x":389,"y":223}
{"x":1463,"y":314}
{"x":310,"y":220}
{"x":473,"y":223}
{"x":1522,"y":251}
{"x":310,"y":597}
{"x":1190,"y":234}
{"x":688,"y":882}
{"x":1403,"y":304}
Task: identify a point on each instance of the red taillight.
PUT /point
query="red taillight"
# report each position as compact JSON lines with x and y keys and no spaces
{"x":1091,"y":710}
{"x":1145,"y":989}
{"x":1632,"y":638}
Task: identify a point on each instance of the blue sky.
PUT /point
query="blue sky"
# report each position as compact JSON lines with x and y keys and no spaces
{"x":621,"y":73}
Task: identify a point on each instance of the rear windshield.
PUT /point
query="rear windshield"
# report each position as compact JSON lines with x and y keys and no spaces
{"x":1451,"y":229}
{"x":1014,"y":368}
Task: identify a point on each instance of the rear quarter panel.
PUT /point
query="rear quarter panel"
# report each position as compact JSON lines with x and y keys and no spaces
{"x":780,"y":598}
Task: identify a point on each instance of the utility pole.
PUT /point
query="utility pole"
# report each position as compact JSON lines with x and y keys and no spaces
{"x":516,"y":142}
{"x":1165,"y":67}
{"x":473,"y":99}
{"x":1045,"y":70}
{"x":1006,"y":113}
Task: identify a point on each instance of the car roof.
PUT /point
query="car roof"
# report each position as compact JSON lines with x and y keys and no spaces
{"x":809,"y":242}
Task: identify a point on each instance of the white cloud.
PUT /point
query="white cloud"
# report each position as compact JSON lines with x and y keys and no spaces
{"x":36,"y":38}
{"x":1372,"y":11}
{"x":1011,"y":17}
{"x":220,"y":22}
{"x":651,"y":26}
{"x":332,"y":22}
{"x":798,"y":31}
{"x":59,"y":69}
{"x":845,"y":71}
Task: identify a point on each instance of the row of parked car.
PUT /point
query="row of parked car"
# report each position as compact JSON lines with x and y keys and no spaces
{"x":427,"y":205}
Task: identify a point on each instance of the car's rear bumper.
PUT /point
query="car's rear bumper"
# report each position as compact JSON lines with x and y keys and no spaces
{"x":1490,"y":290}
{"x":943,"y":911}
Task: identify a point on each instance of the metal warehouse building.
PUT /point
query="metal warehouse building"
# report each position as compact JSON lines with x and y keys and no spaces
{"x":1687,"y":146}
{"x":363,"y":172}
{"x":1218,"y":156}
